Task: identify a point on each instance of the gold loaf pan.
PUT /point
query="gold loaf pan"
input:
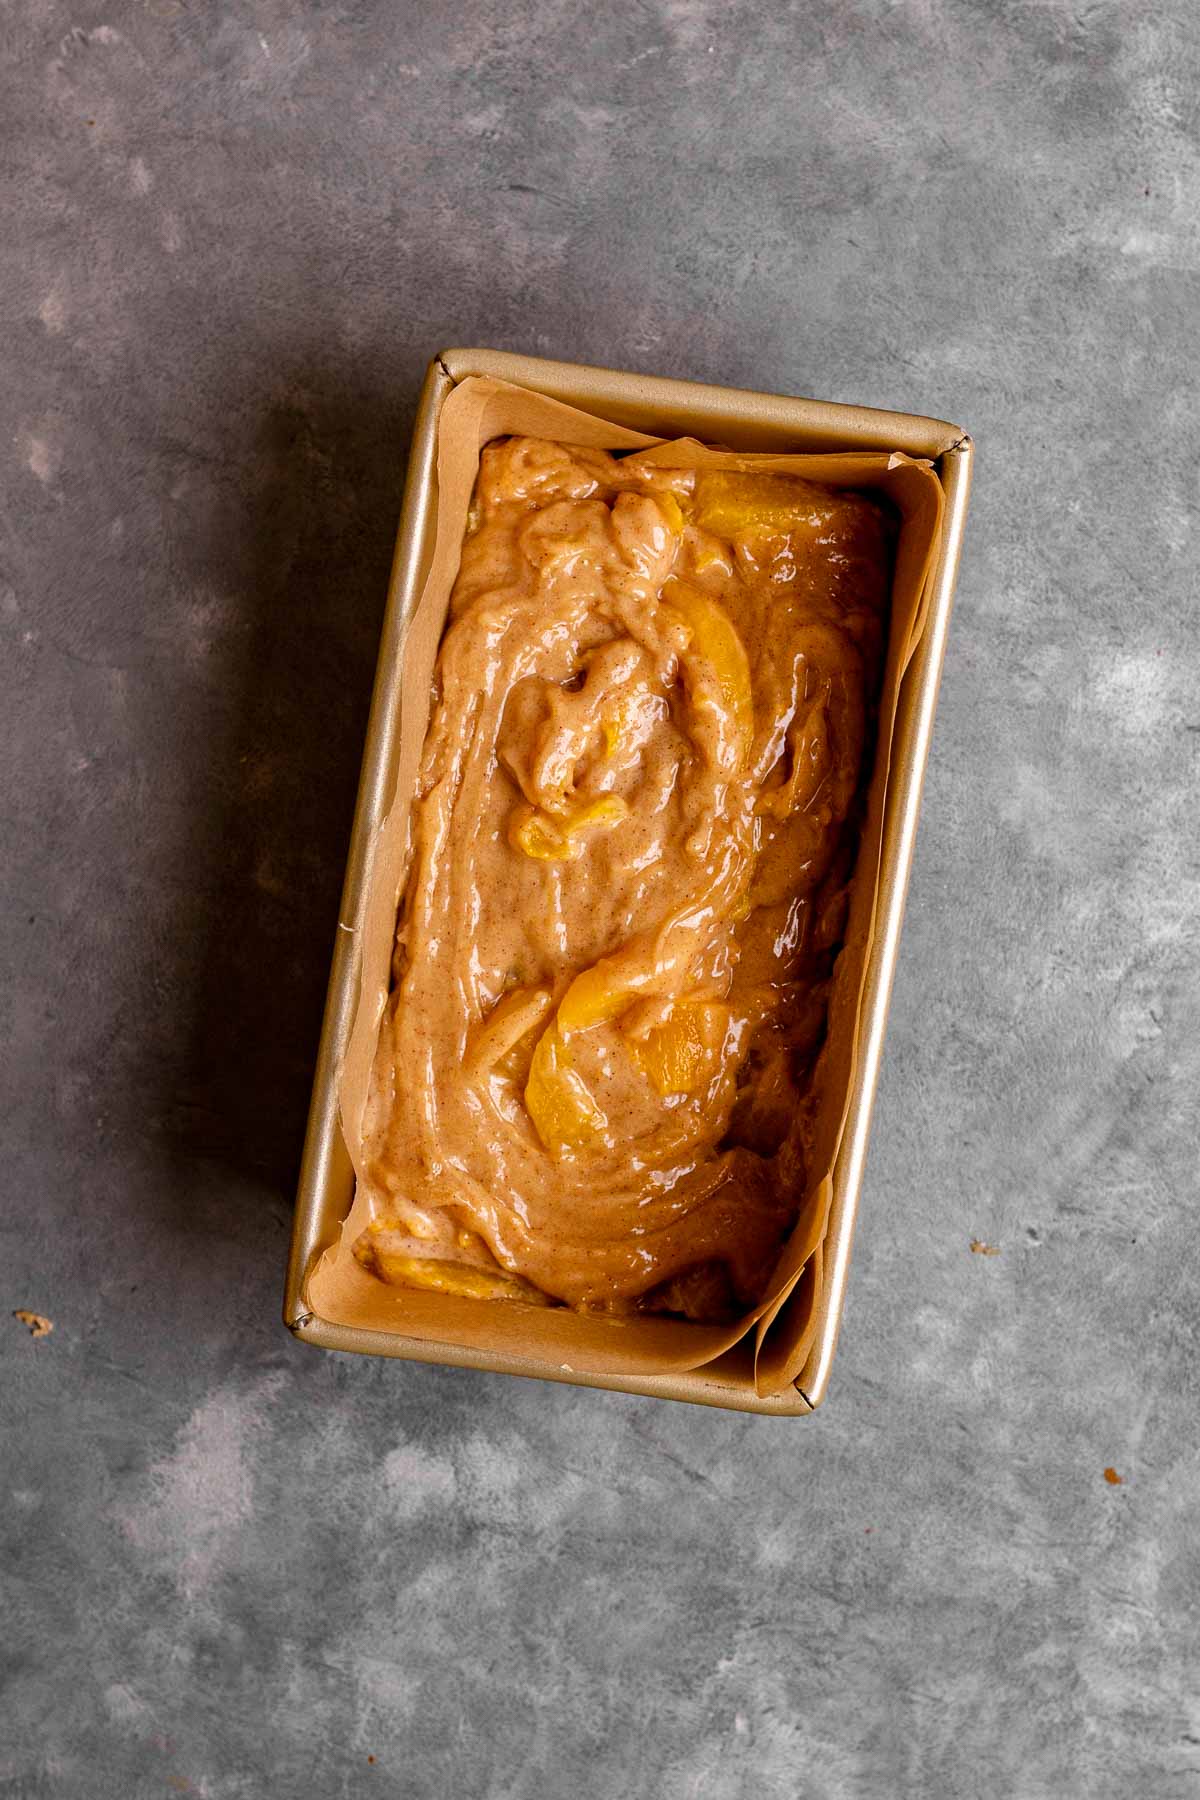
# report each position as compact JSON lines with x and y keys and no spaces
{"x":742,"y":421}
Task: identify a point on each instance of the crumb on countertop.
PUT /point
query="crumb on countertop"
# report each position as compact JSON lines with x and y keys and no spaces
{"x":39,"y":1326}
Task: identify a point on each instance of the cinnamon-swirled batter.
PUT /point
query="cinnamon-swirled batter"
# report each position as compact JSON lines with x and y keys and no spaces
{"x":630,"y":849}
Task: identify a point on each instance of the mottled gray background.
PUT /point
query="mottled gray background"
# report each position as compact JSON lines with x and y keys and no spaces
{"x":238,"y":1568}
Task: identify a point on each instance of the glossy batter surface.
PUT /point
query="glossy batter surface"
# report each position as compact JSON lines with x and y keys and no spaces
{"x":630,"y":850}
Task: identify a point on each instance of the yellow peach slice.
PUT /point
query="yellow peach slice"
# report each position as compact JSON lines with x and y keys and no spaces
{"x":564,"y":1115}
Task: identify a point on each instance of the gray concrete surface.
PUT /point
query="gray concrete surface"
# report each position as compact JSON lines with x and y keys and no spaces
{"x":234,"y":1567}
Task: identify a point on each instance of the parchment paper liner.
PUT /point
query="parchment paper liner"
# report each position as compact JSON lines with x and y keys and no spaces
{"x":338,"y":1289}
